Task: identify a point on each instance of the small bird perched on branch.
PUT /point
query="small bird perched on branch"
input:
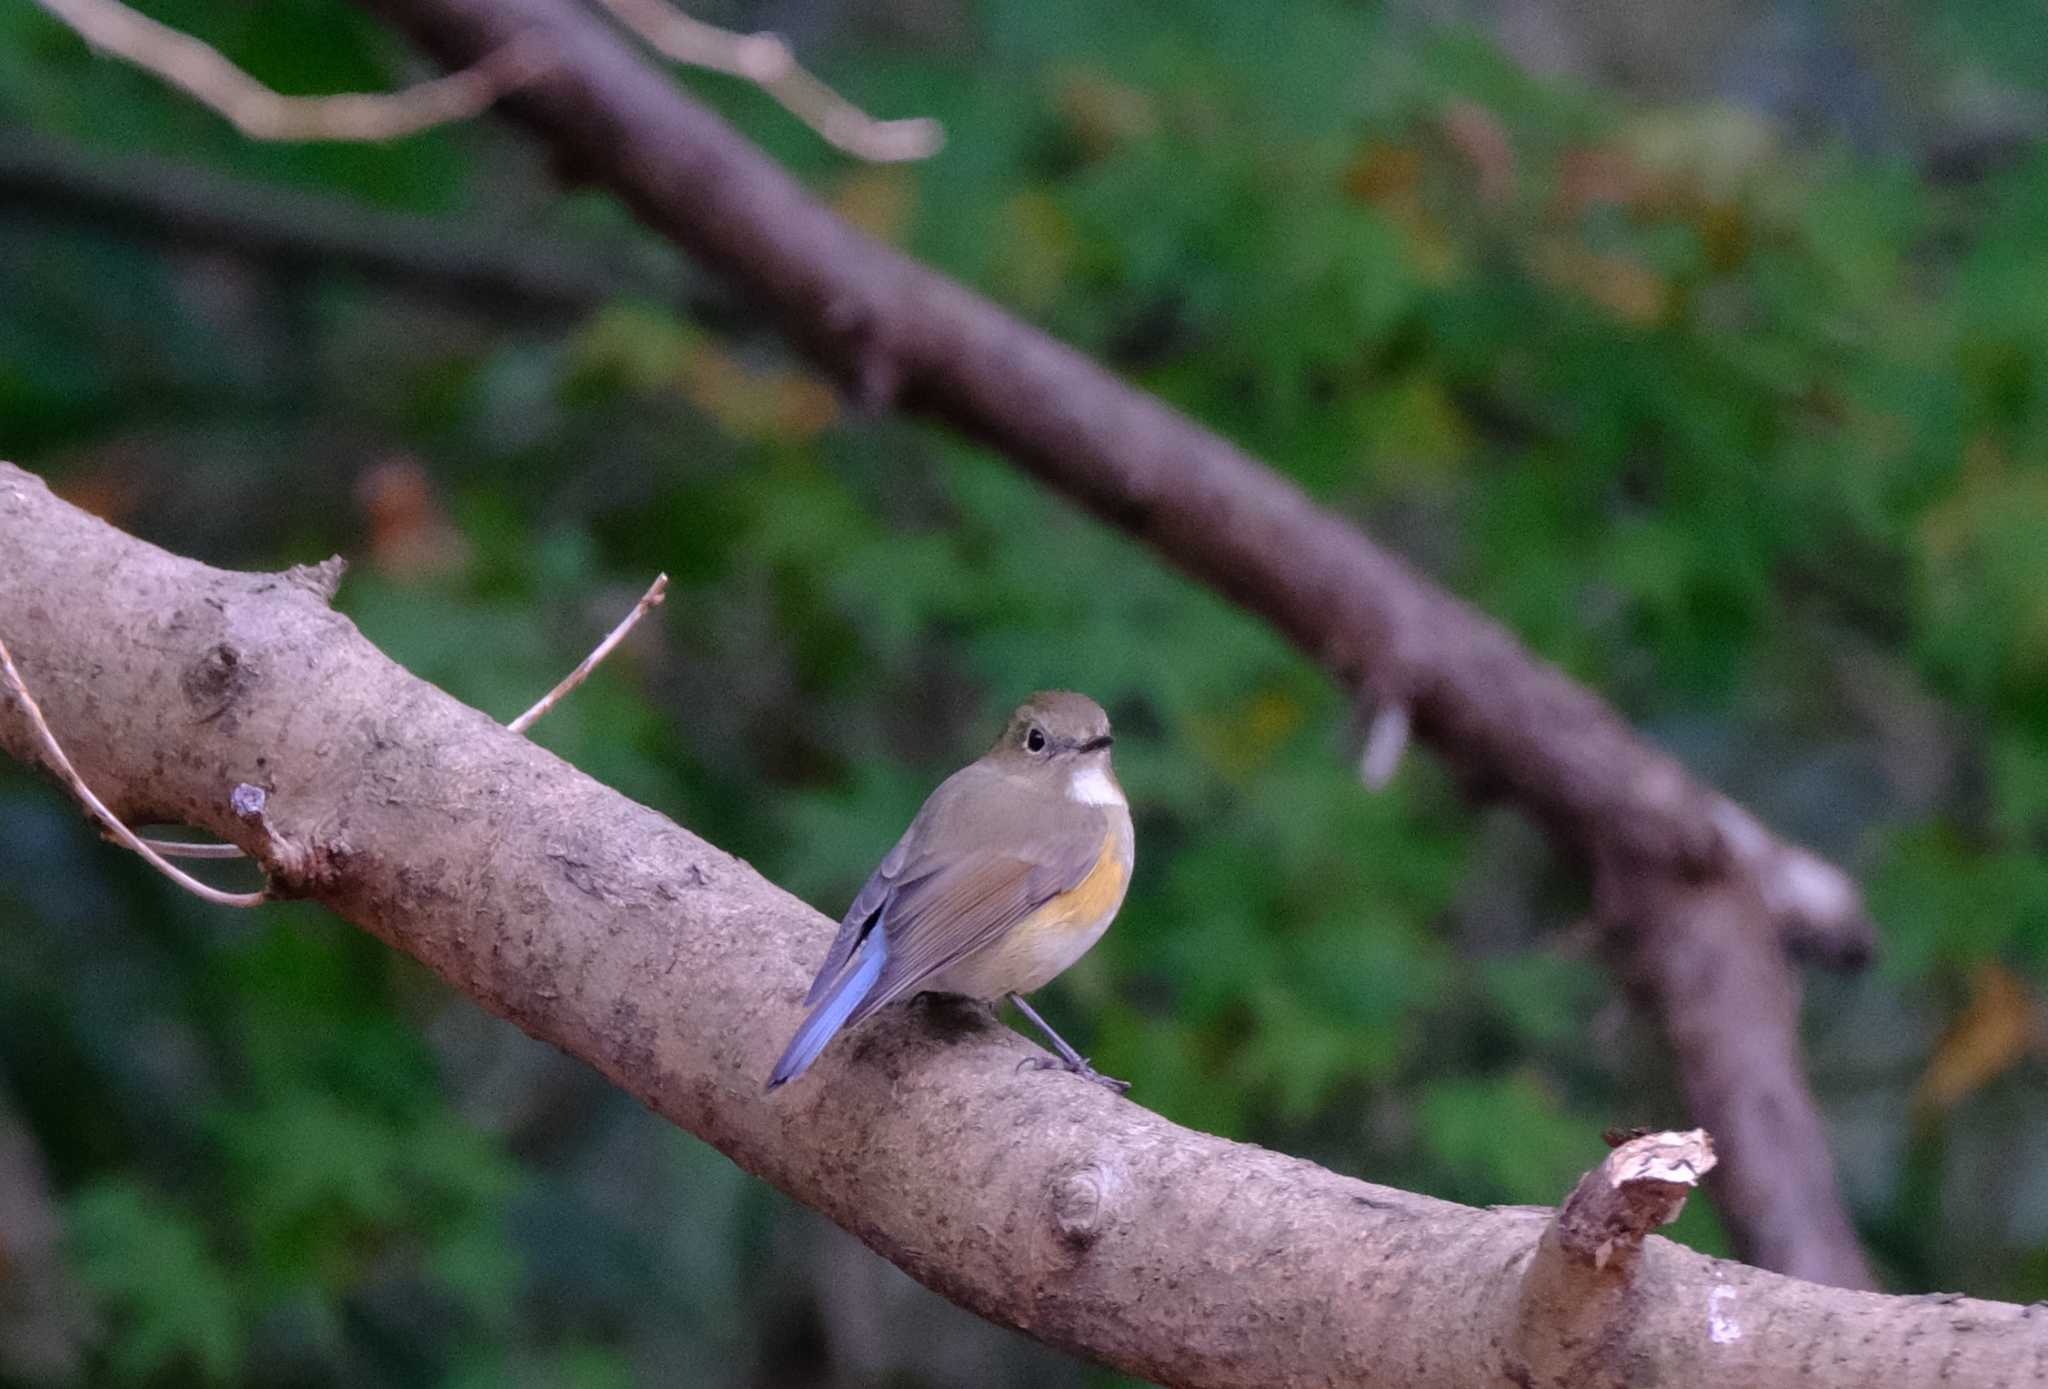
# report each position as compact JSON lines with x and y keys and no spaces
{"x":1010,"y":872}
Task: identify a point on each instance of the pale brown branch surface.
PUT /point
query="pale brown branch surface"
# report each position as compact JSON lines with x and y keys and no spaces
{"x":169,"y":848}
{"x":1039,"y":1200}
{"x":202,"y":73}
{"x":157,"y":852}
{"x":54,"y":756}
{"x":1510,"y":725}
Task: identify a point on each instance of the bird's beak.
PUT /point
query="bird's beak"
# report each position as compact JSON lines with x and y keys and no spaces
{"x":1095,"y":743}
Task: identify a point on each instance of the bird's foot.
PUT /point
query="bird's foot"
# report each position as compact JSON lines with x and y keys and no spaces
{"x":1079,"y":1066}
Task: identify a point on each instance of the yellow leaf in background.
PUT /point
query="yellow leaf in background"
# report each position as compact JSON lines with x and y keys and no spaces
{"x":1995,"y":1029}
{"x":1725,"y":234}
{"x":1389,"y":177}
{"x":652,"y":353}
{"x":1244,"y":740}
{"x":1101,"y":113}
{"x":877,"y":198}
{"x":1038,"y":248}
{"x":639,"y":348}
{"x":1383,"y":172}
{"x":1607,"y":175}
{"x":1633,"y":293}
{"x":1413,"y":433}
{"x":769,"y":405}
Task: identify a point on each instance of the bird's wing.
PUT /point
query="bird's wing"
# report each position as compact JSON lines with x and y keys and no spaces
{"x":967,"y":901}
{"x":867,"y":904}
{"x":910,"y":860}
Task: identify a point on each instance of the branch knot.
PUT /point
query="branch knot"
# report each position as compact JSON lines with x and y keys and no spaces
{"x":1084,"y":1198}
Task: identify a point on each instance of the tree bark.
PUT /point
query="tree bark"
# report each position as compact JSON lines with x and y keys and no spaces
{"x":1033,"y":1197}
{"x":1510,"y":725}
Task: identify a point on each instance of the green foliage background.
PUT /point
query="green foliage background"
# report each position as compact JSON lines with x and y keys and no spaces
{"x":1739,"y":424}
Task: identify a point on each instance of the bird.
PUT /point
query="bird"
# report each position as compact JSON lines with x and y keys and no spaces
{"x":1010,"y":872}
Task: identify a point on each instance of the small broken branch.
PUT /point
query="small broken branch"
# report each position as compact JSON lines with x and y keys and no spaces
{"x":766,"y":61}
{"x":1579,"y":1283}
{"x":1642,"y":1185}
{"x":262,"y":114}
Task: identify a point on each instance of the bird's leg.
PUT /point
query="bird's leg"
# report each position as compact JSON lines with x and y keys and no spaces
{"x":1073,"y":1060}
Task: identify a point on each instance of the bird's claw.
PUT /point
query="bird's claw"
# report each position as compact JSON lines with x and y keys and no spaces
{"x":1084,"y":1070}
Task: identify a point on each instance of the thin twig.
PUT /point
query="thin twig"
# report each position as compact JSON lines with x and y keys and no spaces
{"x":106,"y":817}
{"x":184,"y":848}
{"x":648,"y":600}
{"x":766,"y":61}
{"x":262,"y":114}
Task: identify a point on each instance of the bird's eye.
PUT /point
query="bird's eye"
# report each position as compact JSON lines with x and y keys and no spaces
{"x":1034,"y":741}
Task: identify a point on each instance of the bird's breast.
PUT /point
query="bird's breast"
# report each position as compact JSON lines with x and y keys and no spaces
{"x":1093,"y":901}
{"x":1042,"y":945}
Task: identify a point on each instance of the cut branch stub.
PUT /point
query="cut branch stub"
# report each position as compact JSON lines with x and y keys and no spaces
{"x":1579,"y":1294}
{"x":1642,"y":1185}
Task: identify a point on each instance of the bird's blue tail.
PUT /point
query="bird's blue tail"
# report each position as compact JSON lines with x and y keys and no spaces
{"x":830,"y":1015}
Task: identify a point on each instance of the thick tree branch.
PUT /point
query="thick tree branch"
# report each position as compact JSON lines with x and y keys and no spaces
{"x":1037,"y":1200}
{"x":1511,"y":725}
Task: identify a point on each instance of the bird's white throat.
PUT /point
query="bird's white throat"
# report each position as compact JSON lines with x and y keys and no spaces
{"x":1093,"y":786}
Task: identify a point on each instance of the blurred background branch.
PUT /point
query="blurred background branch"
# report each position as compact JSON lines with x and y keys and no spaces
{"x":486,"y":268}
{"x":46,"y":1324}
